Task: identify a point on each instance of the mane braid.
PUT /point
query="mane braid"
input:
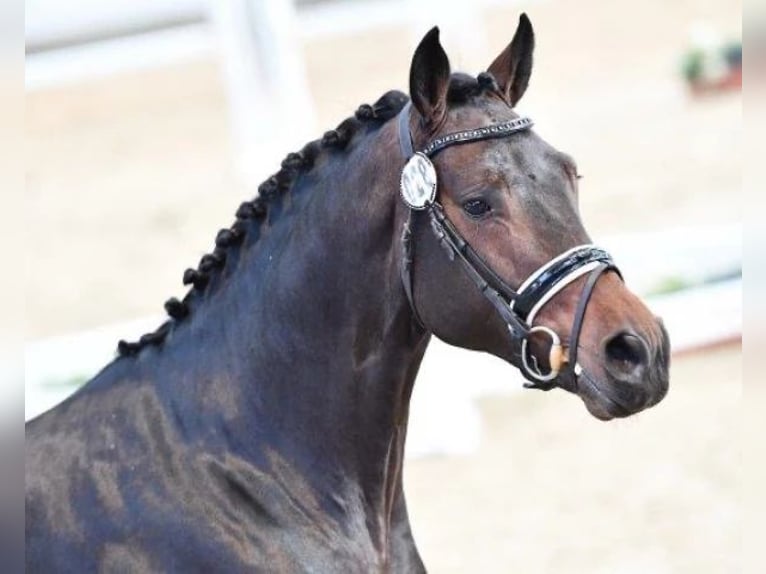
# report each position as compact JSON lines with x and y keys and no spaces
{"x":462,"y":89}
{"x":255,"y":211}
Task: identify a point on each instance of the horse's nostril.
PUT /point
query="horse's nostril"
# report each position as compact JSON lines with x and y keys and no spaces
{"x":626,"y":355}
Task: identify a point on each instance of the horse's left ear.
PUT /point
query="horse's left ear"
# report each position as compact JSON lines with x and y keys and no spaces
{"x":513,"y":67}
{"x":429,"y":79}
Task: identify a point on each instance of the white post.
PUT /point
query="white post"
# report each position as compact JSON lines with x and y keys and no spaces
{"x":270,"y":108}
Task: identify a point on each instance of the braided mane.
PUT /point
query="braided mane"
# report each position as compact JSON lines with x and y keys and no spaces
{"x":252,"y":213}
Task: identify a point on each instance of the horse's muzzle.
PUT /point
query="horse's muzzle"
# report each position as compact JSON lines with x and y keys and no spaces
{"x":635,"y":375}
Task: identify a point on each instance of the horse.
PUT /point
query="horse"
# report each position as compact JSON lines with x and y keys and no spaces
{"x":262,"y":426}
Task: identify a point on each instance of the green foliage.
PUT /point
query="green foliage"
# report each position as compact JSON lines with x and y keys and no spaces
{"x":693,"y":64}
{"x":670,"y":285}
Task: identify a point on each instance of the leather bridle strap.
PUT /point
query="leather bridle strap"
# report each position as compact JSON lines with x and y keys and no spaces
{"x":405,"y":144}
{"x":448,"y":235}
{"x":548,"y":280}
{"x":436,"y":145}
{"x":582,"y":307}
{"x":468,"y":254}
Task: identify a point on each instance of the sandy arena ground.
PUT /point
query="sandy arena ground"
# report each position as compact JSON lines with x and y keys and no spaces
{"x":130,"y":177}
{"x":552,"y":490}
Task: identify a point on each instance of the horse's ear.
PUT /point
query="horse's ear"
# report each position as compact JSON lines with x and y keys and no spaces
{"x":429,"y":79}
{"x":513,"y":67}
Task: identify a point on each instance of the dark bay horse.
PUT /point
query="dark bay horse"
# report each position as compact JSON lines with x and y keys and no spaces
{"x":262,"y":427}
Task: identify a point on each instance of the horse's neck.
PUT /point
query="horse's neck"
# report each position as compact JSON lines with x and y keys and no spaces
{"x":308,"y":350}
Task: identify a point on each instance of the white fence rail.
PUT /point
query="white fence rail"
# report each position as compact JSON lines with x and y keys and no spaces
{"x":52,"y":24}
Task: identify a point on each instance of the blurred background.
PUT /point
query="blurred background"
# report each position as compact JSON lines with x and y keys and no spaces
{"x":147,"y":122}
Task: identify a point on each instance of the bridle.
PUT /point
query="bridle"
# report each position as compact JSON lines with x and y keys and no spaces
{"x":517,"y":307}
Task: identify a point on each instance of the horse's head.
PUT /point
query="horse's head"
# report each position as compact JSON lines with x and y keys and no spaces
{"x":514,"y":200}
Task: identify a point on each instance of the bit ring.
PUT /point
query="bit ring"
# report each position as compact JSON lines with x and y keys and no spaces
{"x":556,"y":357}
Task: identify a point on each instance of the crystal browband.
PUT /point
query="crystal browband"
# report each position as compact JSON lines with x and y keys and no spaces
{"x":494,"y":131}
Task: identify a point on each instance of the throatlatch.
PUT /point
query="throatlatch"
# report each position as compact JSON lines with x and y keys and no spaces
{"x":517,"y":307}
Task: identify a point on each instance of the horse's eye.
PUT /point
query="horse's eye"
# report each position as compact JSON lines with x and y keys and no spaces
{"x":476,"y":207}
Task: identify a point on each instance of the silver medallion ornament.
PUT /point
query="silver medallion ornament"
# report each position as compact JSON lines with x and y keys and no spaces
{"x":418,"y":183}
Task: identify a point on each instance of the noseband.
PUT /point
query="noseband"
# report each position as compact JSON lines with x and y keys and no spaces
{"x":517,"y":307}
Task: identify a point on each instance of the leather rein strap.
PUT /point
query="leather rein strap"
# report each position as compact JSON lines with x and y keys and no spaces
{"x":517,"y":308}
